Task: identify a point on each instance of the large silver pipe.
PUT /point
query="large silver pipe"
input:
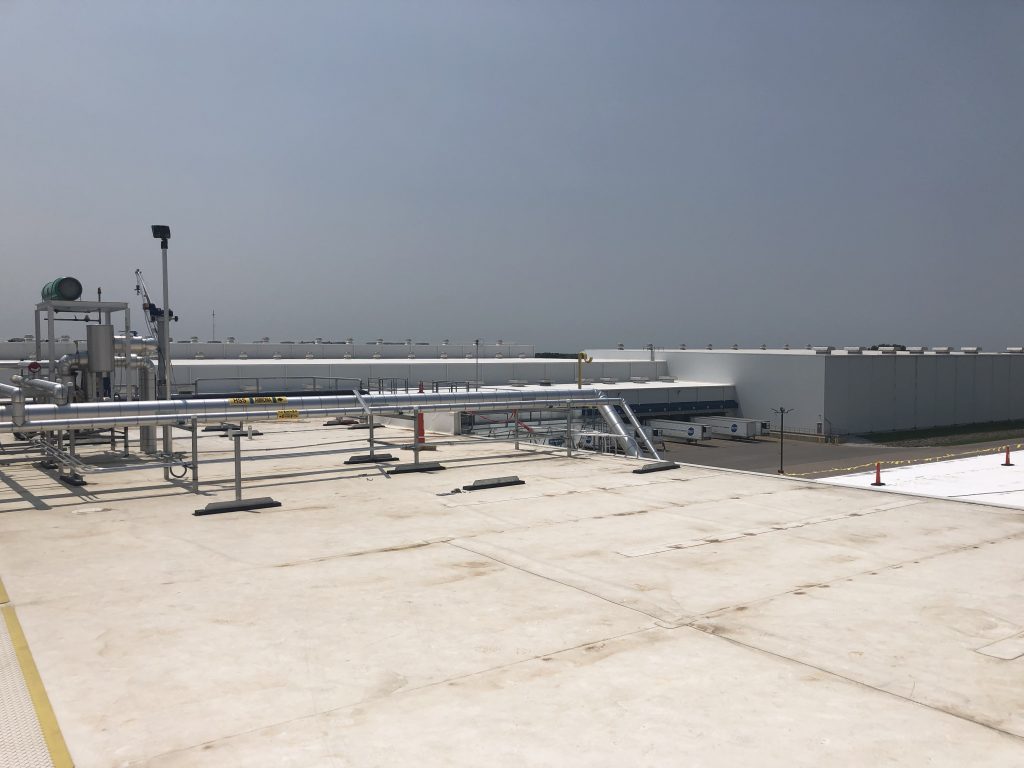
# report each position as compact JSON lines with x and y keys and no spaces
{"x":147,"y":381}
{"x":640,"y":431}
{"x":611,"y":418}
{"x":137,"y":345}
{"x":55,"y":389}
{"x":147,"y":391}
{"x":145,"y":346}
{"x":156,"y":412}
{"x":17,"y":406}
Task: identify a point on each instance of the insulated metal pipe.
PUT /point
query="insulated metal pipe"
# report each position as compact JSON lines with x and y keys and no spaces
{"x":618,"y":428}
{"x":17,"y":406}
{"x":105,"y":422}
{"x":54,"y":389}
{"x":137,"y":345}
{"x":153,"y":412}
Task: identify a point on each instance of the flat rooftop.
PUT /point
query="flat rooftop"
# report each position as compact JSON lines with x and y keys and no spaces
{"x":591,"y":617}
{"x":974,"y":478}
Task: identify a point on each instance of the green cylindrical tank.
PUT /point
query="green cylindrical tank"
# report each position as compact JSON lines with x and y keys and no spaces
{"x":62,"y":289}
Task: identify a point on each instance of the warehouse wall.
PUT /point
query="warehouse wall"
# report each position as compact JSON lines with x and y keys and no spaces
{"x":762,"y":380}
{"x":880,"y":393}
{"x":859,"y":393}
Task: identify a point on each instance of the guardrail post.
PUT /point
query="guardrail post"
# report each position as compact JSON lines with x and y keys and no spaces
{"x":195,"y":455}
{"x":237,"y":436}
{"x":415,"y":437}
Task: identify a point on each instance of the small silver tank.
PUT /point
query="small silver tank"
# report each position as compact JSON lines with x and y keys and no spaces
{"x":99,"y":343}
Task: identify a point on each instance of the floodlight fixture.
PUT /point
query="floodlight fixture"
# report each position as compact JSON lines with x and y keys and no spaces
{"x":161,"y":231}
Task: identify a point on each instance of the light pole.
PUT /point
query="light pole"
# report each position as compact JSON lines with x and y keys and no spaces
{"x":477,"y":343}
{"x":782,"y":433}
{"x":162,"y":232}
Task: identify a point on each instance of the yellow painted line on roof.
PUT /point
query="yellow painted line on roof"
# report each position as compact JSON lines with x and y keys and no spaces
{"x":3,"y":594}
{"x":55,"y":744}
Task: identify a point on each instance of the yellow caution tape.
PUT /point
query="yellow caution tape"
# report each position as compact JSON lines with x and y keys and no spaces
{"x":899,"y":462}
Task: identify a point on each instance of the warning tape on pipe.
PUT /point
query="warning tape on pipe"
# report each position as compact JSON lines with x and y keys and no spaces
{"x":257,"y":400}
{"x":907,"y":462}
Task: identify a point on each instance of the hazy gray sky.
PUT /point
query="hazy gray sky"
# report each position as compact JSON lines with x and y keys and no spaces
{"x":571,"y":174}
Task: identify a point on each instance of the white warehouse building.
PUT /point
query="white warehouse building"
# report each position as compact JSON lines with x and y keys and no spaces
{"x":854,"y":390}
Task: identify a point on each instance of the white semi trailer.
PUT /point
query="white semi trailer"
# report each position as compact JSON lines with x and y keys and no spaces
{"x":668,"y":429}
{"x":731,"y":426}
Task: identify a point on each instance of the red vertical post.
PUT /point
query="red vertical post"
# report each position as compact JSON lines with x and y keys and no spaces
{"x":1007,"y":462}
{"x":878,"y":474}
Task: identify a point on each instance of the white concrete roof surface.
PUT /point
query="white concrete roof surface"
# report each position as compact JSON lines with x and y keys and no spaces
{"x":977,"y":478}
{"x":591,"y":617}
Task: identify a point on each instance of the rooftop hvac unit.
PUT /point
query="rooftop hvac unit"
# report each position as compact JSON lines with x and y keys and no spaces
{"x":608,"y":379}
{"x":887,"y":350}
{"x":916,"y":350}
{"x":666,"y":378}
{"x":823,"y":350}
{"x":854,"y":350}
{"x":970,"y":350}
{"x":62,"y":289}
{"x":639,"y":379}
{"x":940,"y":350}
{"x":1015,"y":350}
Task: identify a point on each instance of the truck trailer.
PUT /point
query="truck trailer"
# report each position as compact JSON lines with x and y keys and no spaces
{"x":732,"y":427}
{"x":687,"y":431}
